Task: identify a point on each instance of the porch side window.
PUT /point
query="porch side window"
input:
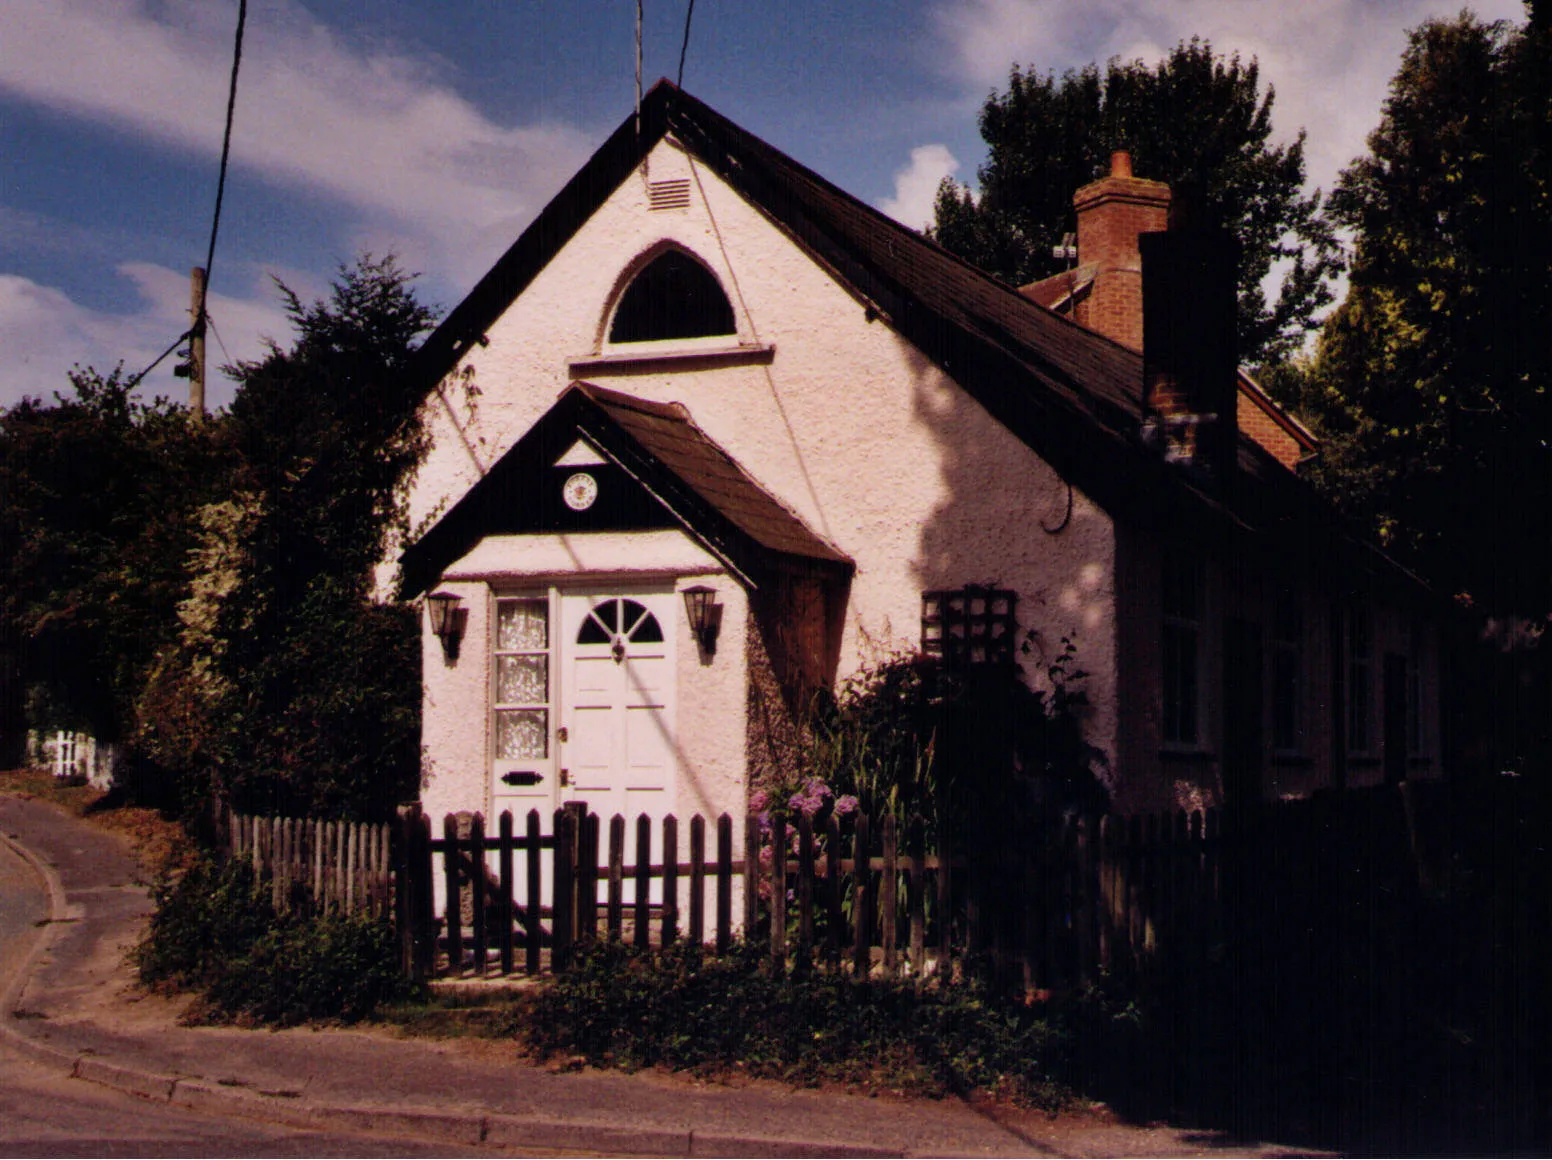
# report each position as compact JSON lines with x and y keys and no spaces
{"x":522,"y":670}
{"x":1182,"y":642}
{"x":1287,"y":672}
{"x":1360,"y":677}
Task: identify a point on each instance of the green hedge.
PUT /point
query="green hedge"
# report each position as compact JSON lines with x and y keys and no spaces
{"x":215,"y":931}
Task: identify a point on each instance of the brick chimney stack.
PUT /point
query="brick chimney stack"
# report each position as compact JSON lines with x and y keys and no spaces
{"x":1112,"y":213}
{"x":1190,"y":352}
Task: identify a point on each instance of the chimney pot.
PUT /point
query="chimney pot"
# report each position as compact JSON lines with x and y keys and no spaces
{"x":1120,"y":163}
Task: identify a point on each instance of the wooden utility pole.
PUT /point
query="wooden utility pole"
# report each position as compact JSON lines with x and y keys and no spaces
{"x":197,"y":342}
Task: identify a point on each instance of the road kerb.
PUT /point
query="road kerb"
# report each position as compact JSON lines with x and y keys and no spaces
{"x":713,"y":1144}
{"x":146,"y":1085}
{"x":520,"y":1131}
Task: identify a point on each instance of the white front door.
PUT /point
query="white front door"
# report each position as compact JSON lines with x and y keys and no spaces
{"x":617,"y":748}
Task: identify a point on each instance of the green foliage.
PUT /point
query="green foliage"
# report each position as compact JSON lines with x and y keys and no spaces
{"x":204,"y":592}
{"x":215,"y":930}
{"x":97,"y":495}
{"x":640,"y":1009}
{"x":1195,"y":116}
{"x":953,"y":749}
{"x":1431,"y":383}
{"x":318,"y":686}
{"x":203,"y":919}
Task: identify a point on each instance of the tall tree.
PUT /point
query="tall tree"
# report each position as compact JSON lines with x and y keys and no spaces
{"x":1433,"y":379}
{"x":313,"y":685}
{"x":1195,"y":116}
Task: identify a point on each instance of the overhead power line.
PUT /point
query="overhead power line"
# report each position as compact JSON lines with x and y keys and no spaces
{"x":157,"y":361}
{"x":196,"y":332}
{"x":226,"y":152}
{"x":685,"y":47}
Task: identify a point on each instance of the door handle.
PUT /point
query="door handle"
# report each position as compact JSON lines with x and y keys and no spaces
{"x":562,"y":735}
{"x":565,"y":777}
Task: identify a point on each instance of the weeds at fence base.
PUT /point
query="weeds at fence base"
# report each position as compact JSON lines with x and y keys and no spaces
{"x":733,"y":1018}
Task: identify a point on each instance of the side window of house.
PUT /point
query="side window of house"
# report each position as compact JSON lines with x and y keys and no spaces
{"x":674,"y":296}
{"x":522,"y":656}
{"x":969,"y":626}
{"x":1360,"y":677}
{"x":1181,"y":648}
{"x":1287,"y":672}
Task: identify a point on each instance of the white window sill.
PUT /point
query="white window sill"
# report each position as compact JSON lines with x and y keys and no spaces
{"x":637,"y":357}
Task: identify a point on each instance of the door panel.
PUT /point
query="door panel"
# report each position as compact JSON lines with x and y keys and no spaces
{"x":617,"y":709}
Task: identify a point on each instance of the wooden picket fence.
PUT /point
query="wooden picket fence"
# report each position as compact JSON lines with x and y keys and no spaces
{"x":313,"y":864}
{"x":855,"y":896}
{"x":859,"y":897}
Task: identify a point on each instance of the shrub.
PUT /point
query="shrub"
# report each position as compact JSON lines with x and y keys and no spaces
{"x":215,"y":931}
{"x":634,"y":1009}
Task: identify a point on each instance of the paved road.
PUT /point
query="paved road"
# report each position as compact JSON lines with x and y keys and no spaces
{"x":42,"y":1113}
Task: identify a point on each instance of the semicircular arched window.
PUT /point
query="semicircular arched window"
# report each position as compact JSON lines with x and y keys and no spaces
{"x":674,"y":296}
{"x":620,"y":618}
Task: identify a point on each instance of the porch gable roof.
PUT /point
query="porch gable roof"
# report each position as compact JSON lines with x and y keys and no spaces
{"x":658,"y":445}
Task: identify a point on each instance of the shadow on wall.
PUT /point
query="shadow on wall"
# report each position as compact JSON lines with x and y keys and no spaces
{"x":1008,"y":520}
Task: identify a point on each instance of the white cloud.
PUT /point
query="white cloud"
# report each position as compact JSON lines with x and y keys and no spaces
{"x":916,"y":185}
{"x":373,"y":127}
{"x":1330,"y":60}
{"x":44,"y":333}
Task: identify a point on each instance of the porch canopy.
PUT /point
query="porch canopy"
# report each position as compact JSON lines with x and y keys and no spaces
{"x":657,"y":470}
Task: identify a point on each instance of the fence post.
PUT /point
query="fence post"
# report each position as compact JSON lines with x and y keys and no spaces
{"x":670,"y":931}
{"x":805,"y":891}
{"x":697,"y":882}
{"x":835,"y":919}
{"x":725,"y":882}
{"x":887,"y":898}
{"x":508,"y":905}
{"x":535,"y":897}
{"x":563,"y":897}
{"x":454,"y":908}
{"x":861,"y":902}
{"x":779,"y":889}
{"x":477,"y":892}
{"x":614,"y":920}
{"x":642,"y":919}
{"x":585,"y":882}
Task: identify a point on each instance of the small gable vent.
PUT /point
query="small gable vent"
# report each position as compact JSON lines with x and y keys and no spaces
{"x":671,"y":194}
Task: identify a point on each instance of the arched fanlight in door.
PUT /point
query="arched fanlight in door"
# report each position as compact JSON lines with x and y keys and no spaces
{"x":617,"y":622}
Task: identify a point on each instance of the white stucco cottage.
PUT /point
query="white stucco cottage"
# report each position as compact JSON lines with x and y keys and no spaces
{"x":704,"y":371}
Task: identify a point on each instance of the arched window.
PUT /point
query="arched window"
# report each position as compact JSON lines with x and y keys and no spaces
{"x":673,"y":297}
{"x":625,"y":619}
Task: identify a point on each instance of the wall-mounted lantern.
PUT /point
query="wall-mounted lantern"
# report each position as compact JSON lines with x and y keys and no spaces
{"x":705,"y":615}
{"x":447,"y":618}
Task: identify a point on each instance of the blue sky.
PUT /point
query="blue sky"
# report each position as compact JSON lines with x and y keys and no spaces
{"x":439,"y":130}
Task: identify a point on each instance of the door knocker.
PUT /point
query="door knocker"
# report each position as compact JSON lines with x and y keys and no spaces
{"x":618,"y":650}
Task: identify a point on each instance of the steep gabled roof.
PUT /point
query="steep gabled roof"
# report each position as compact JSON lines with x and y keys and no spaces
{"x":657,"y":445}
{"x":1072,"y":395}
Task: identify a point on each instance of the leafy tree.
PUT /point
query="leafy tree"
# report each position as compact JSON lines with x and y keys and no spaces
{"x":1432,"y":378}
{"x":1195,"y":117}
{"x":97,"y":494}
{"x":316,"y":683}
